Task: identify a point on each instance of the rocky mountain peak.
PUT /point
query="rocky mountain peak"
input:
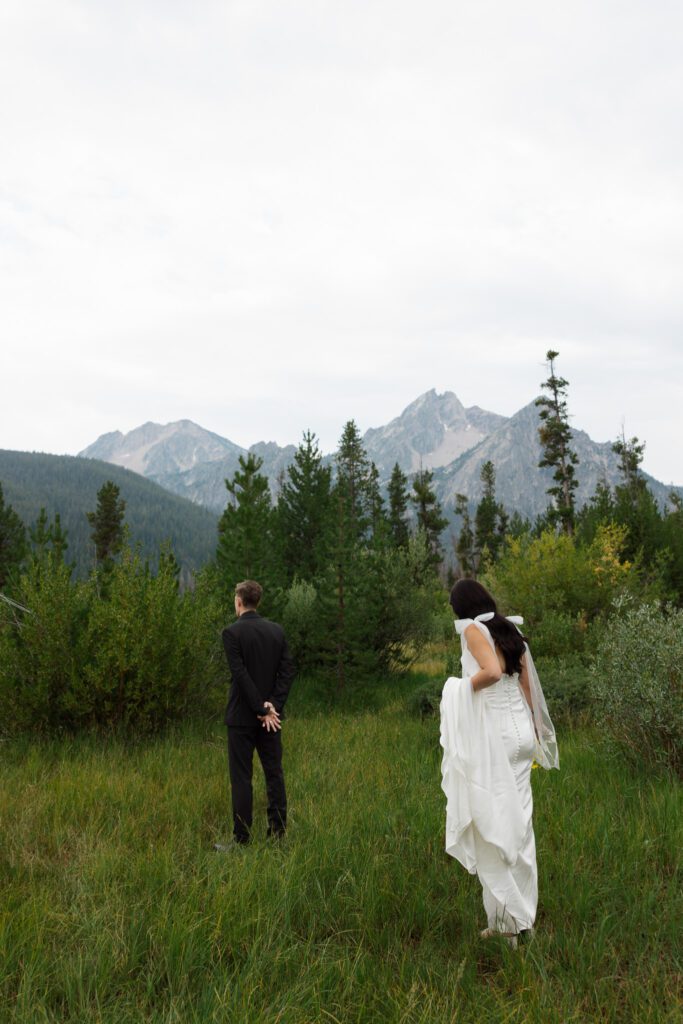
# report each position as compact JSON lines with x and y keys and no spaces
{"x":430,"y":432}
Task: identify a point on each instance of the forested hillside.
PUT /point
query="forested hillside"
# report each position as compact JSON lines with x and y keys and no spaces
{"x":69,"y":485}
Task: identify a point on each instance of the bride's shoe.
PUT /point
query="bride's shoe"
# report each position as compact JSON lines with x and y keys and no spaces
{"x":491,"y":933}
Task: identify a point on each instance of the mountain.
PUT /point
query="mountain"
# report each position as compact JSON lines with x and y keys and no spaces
{"x":156,"y":451}
{"x":186,"y":459}
{"x":515,"y":451}
{"x":436,"y":431}
{"x":431,"y":432}
{"x":69,"y":485}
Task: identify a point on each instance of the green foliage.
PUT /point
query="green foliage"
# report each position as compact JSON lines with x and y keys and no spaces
{"x":566,"y":684}
{"x":637,"y":683}
{"x":490,"y":520}
{"x":398,"y":506}
{"x":67,"y":486}
{"x":137,"y":657}
{"x":12,"y":541}
{"x":464,"y":545}
{"x":116,"y":910}
{"x":430,"y":517}
{"x":303,"y":624}
{"x":555,"y":436}
{"x":245,"y":530}
{"x":560,"y":585}
{"x":303,"y":512}
{"x":44,"y":649}
{"x":107,"y":523}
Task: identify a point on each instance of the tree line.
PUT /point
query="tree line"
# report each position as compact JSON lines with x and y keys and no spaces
{"x":355,"y":573}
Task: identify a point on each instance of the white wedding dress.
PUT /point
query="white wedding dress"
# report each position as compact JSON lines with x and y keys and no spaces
{"x":490,"y":739}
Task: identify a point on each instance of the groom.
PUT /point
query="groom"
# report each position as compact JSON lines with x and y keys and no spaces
{"x":262,"y":673}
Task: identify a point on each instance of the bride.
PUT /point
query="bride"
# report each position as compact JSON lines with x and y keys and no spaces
{"x":494,"y":723}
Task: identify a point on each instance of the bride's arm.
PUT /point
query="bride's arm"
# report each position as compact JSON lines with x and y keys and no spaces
{"x":489,"y":670}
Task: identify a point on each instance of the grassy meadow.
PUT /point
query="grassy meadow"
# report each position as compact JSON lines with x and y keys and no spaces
{"x":114,"y":907}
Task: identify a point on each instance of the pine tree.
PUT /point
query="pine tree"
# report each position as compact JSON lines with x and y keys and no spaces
{"x":430,"y":518}
{"x":634,"y":504}
{"x":464,"y":545}
{"x":398,"y":507}
{"x":107,"y":523}
{"x":353,"y":478}
{"x":40,"y":536}
{"x":245,"y":529}
{"x":12,"y":541}
{"x":379,"y":526}
{"x":631,"y":454}
{"x":60,"y":542}
{"x":490,"y":518}
{"x":304,"y":512}
{"x":555,"y":435}
{"x":598,"y":510}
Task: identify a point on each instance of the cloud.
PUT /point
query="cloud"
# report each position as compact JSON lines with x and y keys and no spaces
{"x":322,"y":209}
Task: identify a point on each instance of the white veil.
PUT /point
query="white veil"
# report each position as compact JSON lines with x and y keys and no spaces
{"x":547,"y":754}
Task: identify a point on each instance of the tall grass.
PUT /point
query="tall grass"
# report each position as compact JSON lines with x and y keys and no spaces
{"x":114,"y":907}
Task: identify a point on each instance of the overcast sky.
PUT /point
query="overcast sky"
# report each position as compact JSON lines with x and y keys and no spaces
{"x":268,"y":215}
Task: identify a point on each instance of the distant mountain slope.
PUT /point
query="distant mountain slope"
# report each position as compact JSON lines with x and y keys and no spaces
{"x":69,"y":485}
{"x":157,"y":450}
{"x":186,"y":459}
{"x":435,"y":431}
{"x":515,"y":451}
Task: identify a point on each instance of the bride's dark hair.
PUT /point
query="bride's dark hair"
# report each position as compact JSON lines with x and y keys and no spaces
{"x":469,"y":599}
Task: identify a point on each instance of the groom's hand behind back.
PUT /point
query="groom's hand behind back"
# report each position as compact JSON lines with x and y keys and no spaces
{"x":271,"y":721}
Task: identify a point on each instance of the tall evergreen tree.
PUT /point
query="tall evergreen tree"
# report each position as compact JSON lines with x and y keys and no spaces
{"x":107,"y":523}
{"x":464,"y":545}
{"x":555,"y":435}
{"x":304,"y":512}
{"x":430,"y":517}
{"x":379,"y":526}
{"x":60,"y":538}
{"x":634,"y":504}
{"x":598,"y":509}
{"x":12,"y":541}
{"x":353,"y":478}
{"x":398,"y":507}
{"x":48,"y":537}
{"x":245,"y":549}
{"x":351,"y":523}
{"x":490,"y":518}
{"x":40,"y":535}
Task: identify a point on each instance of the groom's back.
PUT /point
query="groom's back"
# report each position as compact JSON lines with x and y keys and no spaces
{"x":261,"y":642}
{"x":260,"y":646}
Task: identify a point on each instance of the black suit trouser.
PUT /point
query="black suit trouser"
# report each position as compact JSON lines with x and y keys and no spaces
{"x":241,"y":745}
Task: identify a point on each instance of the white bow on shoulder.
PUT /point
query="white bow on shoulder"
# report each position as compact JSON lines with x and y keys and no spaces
{"x":462,"y":624}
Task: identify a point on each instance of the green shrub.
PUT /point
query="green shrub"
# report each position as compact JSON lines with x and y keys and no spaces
{"x":560,"y":585}
{"x":42,"y":650}
{"x":301,"y":621}
{"x":123,"y":649}
{"x":566,"y":685}
{"x":425,"y":699}
{"x":637,"y":684}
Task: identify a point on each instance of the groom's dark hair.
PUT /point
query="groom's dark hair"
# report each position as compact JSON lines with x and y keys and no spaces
{"x":249,"y":592}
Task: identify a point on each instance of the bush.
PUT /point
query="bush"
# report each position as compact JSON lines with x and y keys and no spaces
{"x":560,"y":585}
{"x":42,"y":650}
{"x":301,"y":621}
{"x":637,"y":684}
{"x":425,"y":700}
{"x":123,"y":649}
{"x":566,"y":685}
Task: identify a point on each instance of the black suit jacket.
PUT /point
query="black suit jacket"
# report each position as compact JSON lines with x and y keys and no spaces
{"x":261,"y":668}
